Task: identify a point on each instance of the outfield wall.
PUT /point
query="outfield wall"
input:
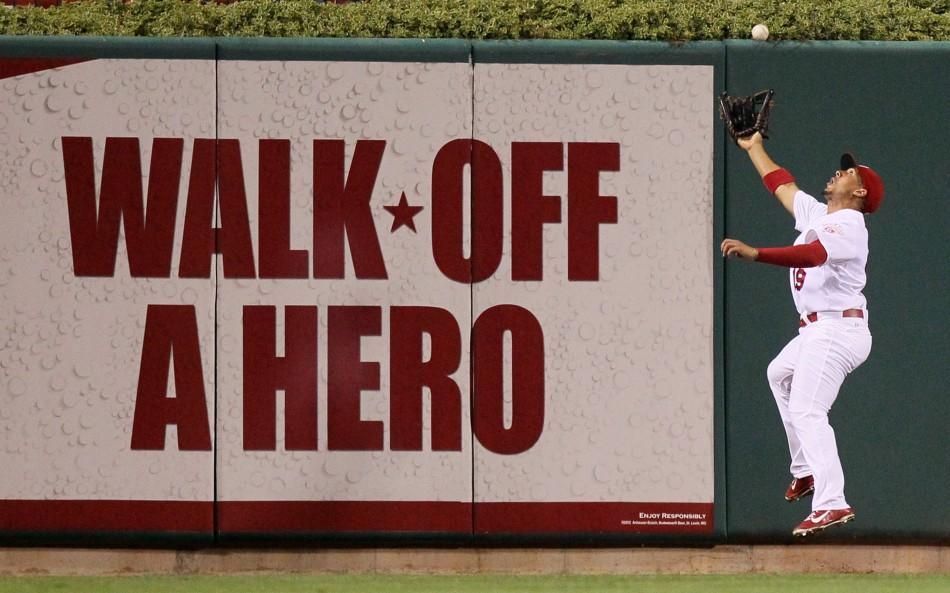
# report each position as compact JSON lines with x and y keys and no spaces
{"x":367,"y":290}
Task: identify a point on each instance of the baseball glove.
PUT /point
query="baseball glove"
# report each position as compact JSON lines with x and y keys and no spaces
{"x":745,"y":116}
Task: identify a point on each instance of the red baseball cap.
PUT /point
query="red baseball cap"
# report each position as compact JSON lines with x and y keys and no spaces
{"x":869,"y":179}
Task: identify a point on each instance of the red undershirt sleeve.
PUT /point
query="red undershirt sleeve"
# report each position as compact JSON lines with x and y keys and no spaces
{"x":808,"y":255}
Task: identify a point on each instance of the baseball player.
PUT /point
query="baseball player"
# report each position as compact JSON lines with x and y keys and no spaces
{"x":826,"y":264}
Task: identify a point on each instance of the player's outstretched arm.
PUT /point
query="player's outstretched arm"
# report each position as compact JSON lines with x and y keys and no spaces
{"x":785,"y":192}
{"x":807,"y":255}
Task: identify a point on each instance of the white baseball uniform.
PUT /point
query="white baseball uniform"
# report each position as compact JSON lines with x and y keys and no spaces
{"x":806,"y":375}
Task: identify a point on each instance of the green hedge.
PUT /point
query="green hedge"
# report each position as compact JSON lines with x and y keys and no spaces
{"x":670,"y":20}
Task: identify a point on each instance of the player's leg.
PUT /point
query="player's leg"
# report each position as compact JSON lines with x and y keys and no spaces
{"x":829,"y":351}
{"x":780,"y":373}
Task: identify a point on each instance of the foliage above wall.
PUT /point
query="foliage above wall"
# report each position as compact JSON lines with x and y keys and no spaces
{"x":667,"y":20}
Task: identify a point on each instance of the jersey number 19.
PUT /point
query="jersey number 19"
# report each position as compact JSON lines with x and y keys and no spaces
{"x":799,"y":278}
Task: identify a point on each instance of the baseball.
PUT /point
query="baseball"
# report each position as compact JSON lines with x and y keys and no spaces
{"x":760,"y":32}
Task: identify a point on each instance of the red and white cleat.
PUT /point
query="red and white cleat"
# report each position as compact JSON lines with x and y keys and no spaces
{"x":800,"y":488}
{"x":819,"y":520}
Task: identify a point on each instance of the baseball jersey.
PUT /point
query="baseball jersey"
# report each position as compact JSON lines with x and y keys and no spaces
{"x":835,"y":285}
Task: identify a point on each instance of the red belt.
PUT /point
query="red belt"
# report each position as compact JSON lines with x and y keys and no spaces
{"x":813,"y":317}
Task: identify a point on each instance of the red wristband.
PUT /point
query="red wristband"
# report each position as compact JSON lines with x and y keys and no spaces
{"x":776,"y":178}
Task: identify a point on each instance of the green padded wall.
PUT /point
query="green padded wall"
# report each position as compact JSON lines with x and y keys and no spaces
{"x":886,"y":102}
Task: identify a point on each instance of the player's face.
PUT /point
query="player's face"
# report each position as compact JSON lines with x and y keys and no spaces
{"x":842,"y":184}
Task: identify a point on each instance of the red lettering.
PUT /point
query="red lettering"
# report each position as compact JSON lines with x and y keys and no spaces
{"x":149,"y":230}
{"x":277,"y":259}
{"x":530,"y":208}
{"x":343,"y":209}
{"x":347,"y":376}
{"x":198,"y":236}
{"x":234,"y":235}
{"x":295,"y":373}
{"x":409,"y":373}
{"x":586,"y":209}
{"x":486,"y":212}
{"x":527,"y":379}
{"x":200,"y":239}
{"x":171,"y":333}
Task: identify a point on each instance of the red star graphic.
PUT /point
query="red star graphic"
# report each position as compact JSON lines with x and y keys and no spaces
{"x":403,"y":213}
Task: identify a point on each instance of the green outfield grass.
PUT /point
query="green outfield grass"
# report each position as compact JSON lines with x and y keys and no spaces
{"x":864,"y":583}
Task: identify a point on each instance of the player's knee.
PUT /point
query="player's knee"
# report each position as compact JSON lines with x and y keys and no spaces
{"x":777,"y":374}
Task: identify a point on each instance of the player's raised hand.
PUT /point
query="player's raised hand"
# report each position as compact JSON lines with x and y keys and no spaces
{"x":749,"y":141}
{"x":736,"y":248}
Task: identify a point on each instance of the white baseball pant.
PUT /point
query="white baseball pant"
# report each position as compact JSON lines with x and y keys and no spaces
{"x":805,"y":378}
